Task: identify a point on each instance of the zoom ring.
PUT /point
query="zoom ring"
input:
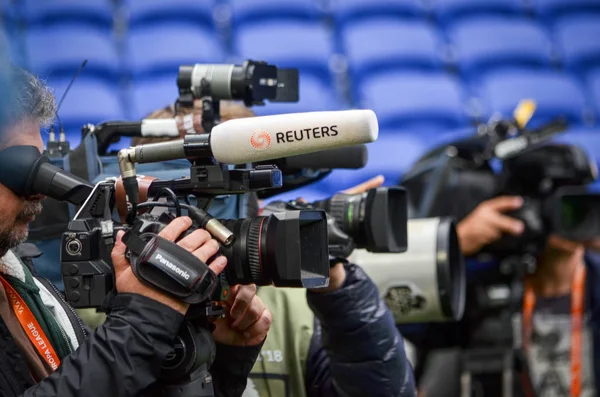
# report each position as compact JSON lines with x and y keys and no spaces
{"x":337,"y":209}
{"x":254,"y":249}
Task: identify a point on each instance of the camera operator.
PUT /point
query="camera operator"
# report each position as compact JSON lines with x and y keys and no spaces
{"x":337,"y":341}
{"x":44,"y":348}
{"x":560,"y":353}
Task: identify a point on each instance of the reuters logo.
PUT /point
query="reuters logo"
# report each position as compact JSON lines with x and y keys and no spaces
{"x":260,"y":140}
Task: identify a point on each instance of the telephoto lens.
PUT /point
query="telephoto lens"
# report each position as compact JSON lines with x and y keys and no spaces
{"x":376,"y":220}
{"x":284,"y":249}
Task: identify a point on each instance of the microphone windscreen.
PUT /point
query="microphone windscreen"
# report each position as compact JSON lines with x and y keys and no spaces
{"x":255,"y":139}
{"x":352,"y":157}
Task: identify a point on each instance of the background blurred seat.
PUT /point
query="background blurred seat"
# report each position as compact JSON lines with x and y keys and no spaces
{"x":375,"y":44}
{"x":151,"y":95}
{"x":59,"y":50}
{"x":88,"y":101}
{"x":156,"y":50}
{"x":414,"y":101}
{"x":97,"y":13}
{"x":577,"y":40}
{"x":556,"y":95}
{"x":303,"y":45}
{"x":487,"y":43}
{"x":315,"y":95}
{"x":594,"y":85}
{"x":451,"y":11}
{"x":256,"y":11}
{"x":152,"y":12}
{"x":552,"y":9}
{"x":345,"y":11}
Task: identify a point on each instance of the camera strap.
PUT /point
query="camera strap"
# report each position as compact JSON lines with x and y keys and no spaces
{"x":30,"y":325}
{"x":577,"y":309}
{"x":169,"y":267}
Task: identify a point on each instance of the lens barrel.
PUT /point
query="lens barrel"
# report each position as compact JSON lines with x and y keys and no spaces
{"x":376,"y":220}
{"x":287,"y":249}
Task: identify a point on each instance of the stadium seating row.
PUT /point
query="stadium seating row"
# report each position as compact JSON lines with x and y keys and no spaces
{"x":241,"y":12}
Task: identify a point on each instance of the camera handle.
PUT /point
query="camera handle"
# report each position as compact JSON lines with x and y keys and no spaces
{"x":185,"y":371}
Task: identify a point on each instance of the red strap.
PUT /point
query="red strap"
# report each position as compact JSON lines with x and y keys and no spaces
{"x":577,"y":307}
{"x":31,"y":327}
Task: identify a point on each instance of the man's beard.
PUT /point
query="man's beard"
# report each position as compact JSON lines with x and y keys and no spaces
{"x":12,"y":236}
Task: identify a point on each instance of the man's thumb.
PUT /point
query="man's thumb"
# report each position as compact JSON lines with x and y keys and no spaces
{"x":118,"y":253}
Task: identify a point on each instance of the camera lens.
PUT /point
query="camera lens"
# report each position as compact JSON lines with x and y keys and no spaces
{"x":284,"y":249}
{"x":375,"y":220}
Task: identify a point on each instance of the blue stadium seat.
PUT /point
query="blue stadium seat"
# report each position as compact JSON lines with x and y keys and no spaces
{"x":550,"y":9}
{"x":257,"y":11}
{"x":315,"y":95}
{"x":375,"y":44}
{"x":556,"y":95}
{"x":577,"y":39}
{"x":88,"y":101}
{"x":310,"y":193}
{"x":59,"y":51}
{"x":594,"y":84}
{"x":97,"y":13}
{"x":345,"y":11}
{"x":151,"y":95}
{"x":391,"y":155}
{"x":449,"y":11}
{"x":161,"y":49}
{"x":414,"y":101}
{"x":303,"y":45}
{"x":488,"y":43}
{"x":152,"y":12}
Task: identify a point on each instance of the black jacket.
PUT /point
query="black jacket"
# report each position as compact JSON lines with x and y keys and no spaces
{"x":121,"y":358}
{"x":356,"y":349}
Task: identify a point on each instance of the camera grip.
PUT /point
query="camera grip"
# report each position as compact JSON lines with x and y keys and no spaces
{"x":170,"y":268}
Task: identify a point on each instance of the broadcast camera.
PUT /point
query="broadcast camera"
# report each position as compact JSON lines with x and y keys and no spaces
{"x":551,"y":177}
{"x":284,"y":249}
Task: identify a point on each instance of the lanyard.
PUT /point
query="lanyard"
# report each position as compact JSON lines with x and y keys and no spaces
{"x":577,"y":302}
{"x":31,"y":326}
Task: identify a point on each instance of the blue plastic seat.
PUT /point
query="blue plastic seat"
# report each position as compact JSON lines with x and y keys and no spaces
{"x":152,"y":12}
{"x":161,"y":49}
{"x":88,"y":101}
{"x":594,"y":85}
{"x":551,"y":9}
{"x":345,"y":11}
{"x":315,"y":95}
{"x":151,"y":95}
{"x":97,"y":13}
{"x":556,"y":95}
{"x":375,"y":44}
{"x":257,"y":11}
{"x":450,"y":11}
{"x":488,"y":43}
{"x":303,"y":45}
{"x":60,"y":50}
{"x":577,"y":39}
{"x":415,"y":101}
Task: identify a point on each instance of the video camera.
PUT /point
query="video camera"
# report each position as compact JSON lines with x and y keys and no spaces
{"x":549,"y":176}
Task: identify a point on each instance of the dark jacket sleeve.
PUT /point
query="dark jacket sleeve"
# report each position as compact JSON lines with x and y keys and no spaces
{"x":230,"y":380}
{"x":122,"y":358}
{"x":356,"y":349}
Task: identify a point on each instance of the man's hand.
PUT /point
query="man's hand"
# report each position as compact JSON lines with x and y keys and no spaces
{"x":337,"y":274}
{"x":487,"y":223}
{"x":248,"y":319}
{"x":198,"y":243}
